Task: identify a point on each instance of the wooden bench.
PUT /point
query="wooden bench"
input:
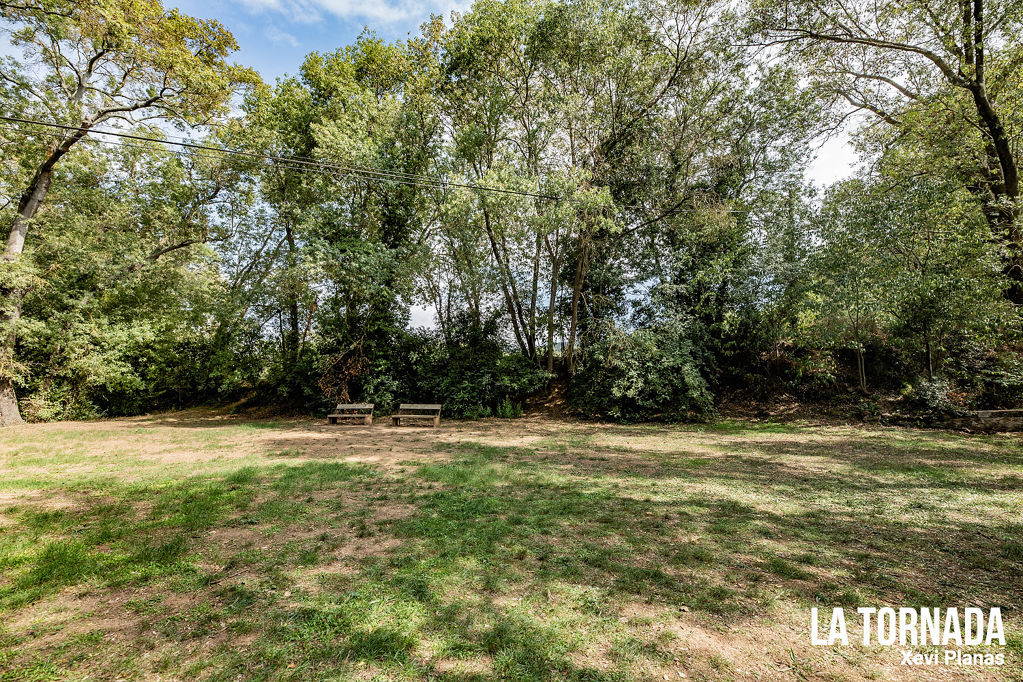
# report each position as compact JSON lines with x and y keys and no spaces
{"x":361,"y":411}
{"x":415,"y":411}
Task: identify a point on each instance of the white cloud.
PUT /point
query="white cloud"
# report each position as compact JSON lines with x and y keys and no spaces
{"x":378,"y":11}
{"x":279,"y":37}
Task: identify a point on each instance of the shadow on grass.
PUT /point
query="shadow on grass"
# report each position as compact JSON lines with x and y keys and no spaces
{"x":499,"y":506}
{"x":204,"y":419}
{"x":135,"y":533}
{"x":499,"y":519}
{"x":573,"y":537}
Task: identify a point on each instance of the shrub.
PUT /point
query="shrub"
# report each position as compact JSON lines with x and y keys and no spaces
{"x":932,"y":397}
{"x":471,"y":371}
{"x":509,"y":410}
{"x":993,"y":377}
{"x":653,"y":372}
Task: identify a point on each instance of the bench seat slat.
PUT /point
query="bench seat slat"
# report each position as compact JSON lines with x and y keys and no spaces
{"x":408,"y":411}
{"x":355,"y":411}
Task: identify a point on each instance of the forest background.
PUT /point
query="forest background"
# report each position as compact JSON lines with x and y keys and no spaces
{"x":605,"y":203}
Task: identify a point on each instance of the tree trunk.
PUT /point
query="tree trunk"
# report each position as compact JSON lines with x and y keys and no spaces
{"x":291,"y":342}
{"x":31,"y":199}
{"x":9,"y":413}
{"x":569,"y":350}
{"x":861,"y":369}
{"x":30,"y":202}
{"x":555,"y":264}
{"x":528,"y":329}
{"x":577,"y":287}
{"x":971,"y":75}
{"x":1005,"y":221}
{"x":534,"y":294}
{"x":930,"y":360}
{"x":550,"y":319}
{"x":495,"y":249}
{"x":9,"y":314}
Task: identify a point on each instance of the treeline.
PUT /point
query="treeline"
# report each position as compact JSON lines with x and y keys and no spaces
{"x":602,"y":201}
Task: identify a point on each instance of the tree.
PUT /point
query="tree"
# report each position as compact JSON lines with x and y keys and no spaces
{"x":90,"y":63}
{"x":910,"y":257}
{"x":846,"y":297}
{"x":126,"y":317}
{"x":613,"y":189}
{"x":894,"y":57}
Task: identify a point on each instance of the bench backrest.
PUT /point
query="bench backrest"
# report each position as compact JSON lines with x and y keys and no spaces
{"x":355,"y":406}
{"x":418,"y":407}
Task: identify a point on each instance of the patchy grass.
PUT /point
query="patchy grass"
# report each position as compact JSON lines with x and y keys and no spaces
{"x":200,"y":546}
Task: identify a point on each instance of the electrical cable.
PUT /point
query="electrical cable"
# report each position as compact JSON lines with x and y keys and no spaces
{"x":300,"y":163}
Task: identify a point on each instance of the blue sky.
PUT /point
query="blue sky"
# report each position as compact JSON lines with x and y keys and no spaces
{"x":275,"y":35}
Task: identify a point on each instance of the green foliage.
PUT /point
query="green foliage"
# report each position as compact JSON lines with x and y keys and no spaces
{"x":122,"y":49}
{"x":508,"y":410}
{"x":813,"y":373}
{"x":650,"y":373}
{"x":685,"y":255}
{"x":117,"y":325}
{"x":932,"y":398}
{"x":993,"y":377}
{"x":472,"y":372}
{"x":914,"y":268}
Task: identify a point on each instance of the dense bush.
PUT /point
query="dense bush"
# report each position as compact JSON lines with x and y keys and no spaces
{"x":651,"y":373}
{"x":933,"y":398}
{"x":993,"y":378}
{"x":471,"y":371}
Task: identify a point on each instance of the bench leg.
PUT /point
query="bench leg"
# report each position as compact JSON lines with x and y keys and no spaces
{"x":332,"y":420}
{"x":367,"y":420}
{"x":436,"y":421}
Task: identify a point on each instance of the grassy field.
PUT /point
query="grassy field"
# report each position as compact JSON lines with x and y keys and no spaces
{"x":205,"y":547}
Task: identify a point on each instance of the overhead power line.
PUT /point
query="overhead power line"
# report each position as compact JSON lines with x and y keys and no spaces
{"x":298,"y":163}
{"x":397,"y":177}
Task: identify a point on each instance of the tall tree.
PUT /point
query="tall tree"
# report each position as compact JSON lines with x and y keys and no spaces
{"x":908,"y":257}
{"x":895,"y":57}
{"x":90,"y":63}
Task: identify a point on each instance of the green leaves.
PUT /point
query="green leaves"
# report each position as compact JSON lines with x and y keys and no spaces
{"x":913,"y":260}
{"x":613,"y":187}
{"x":651,"y":373}
{"x":131,"y":58}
